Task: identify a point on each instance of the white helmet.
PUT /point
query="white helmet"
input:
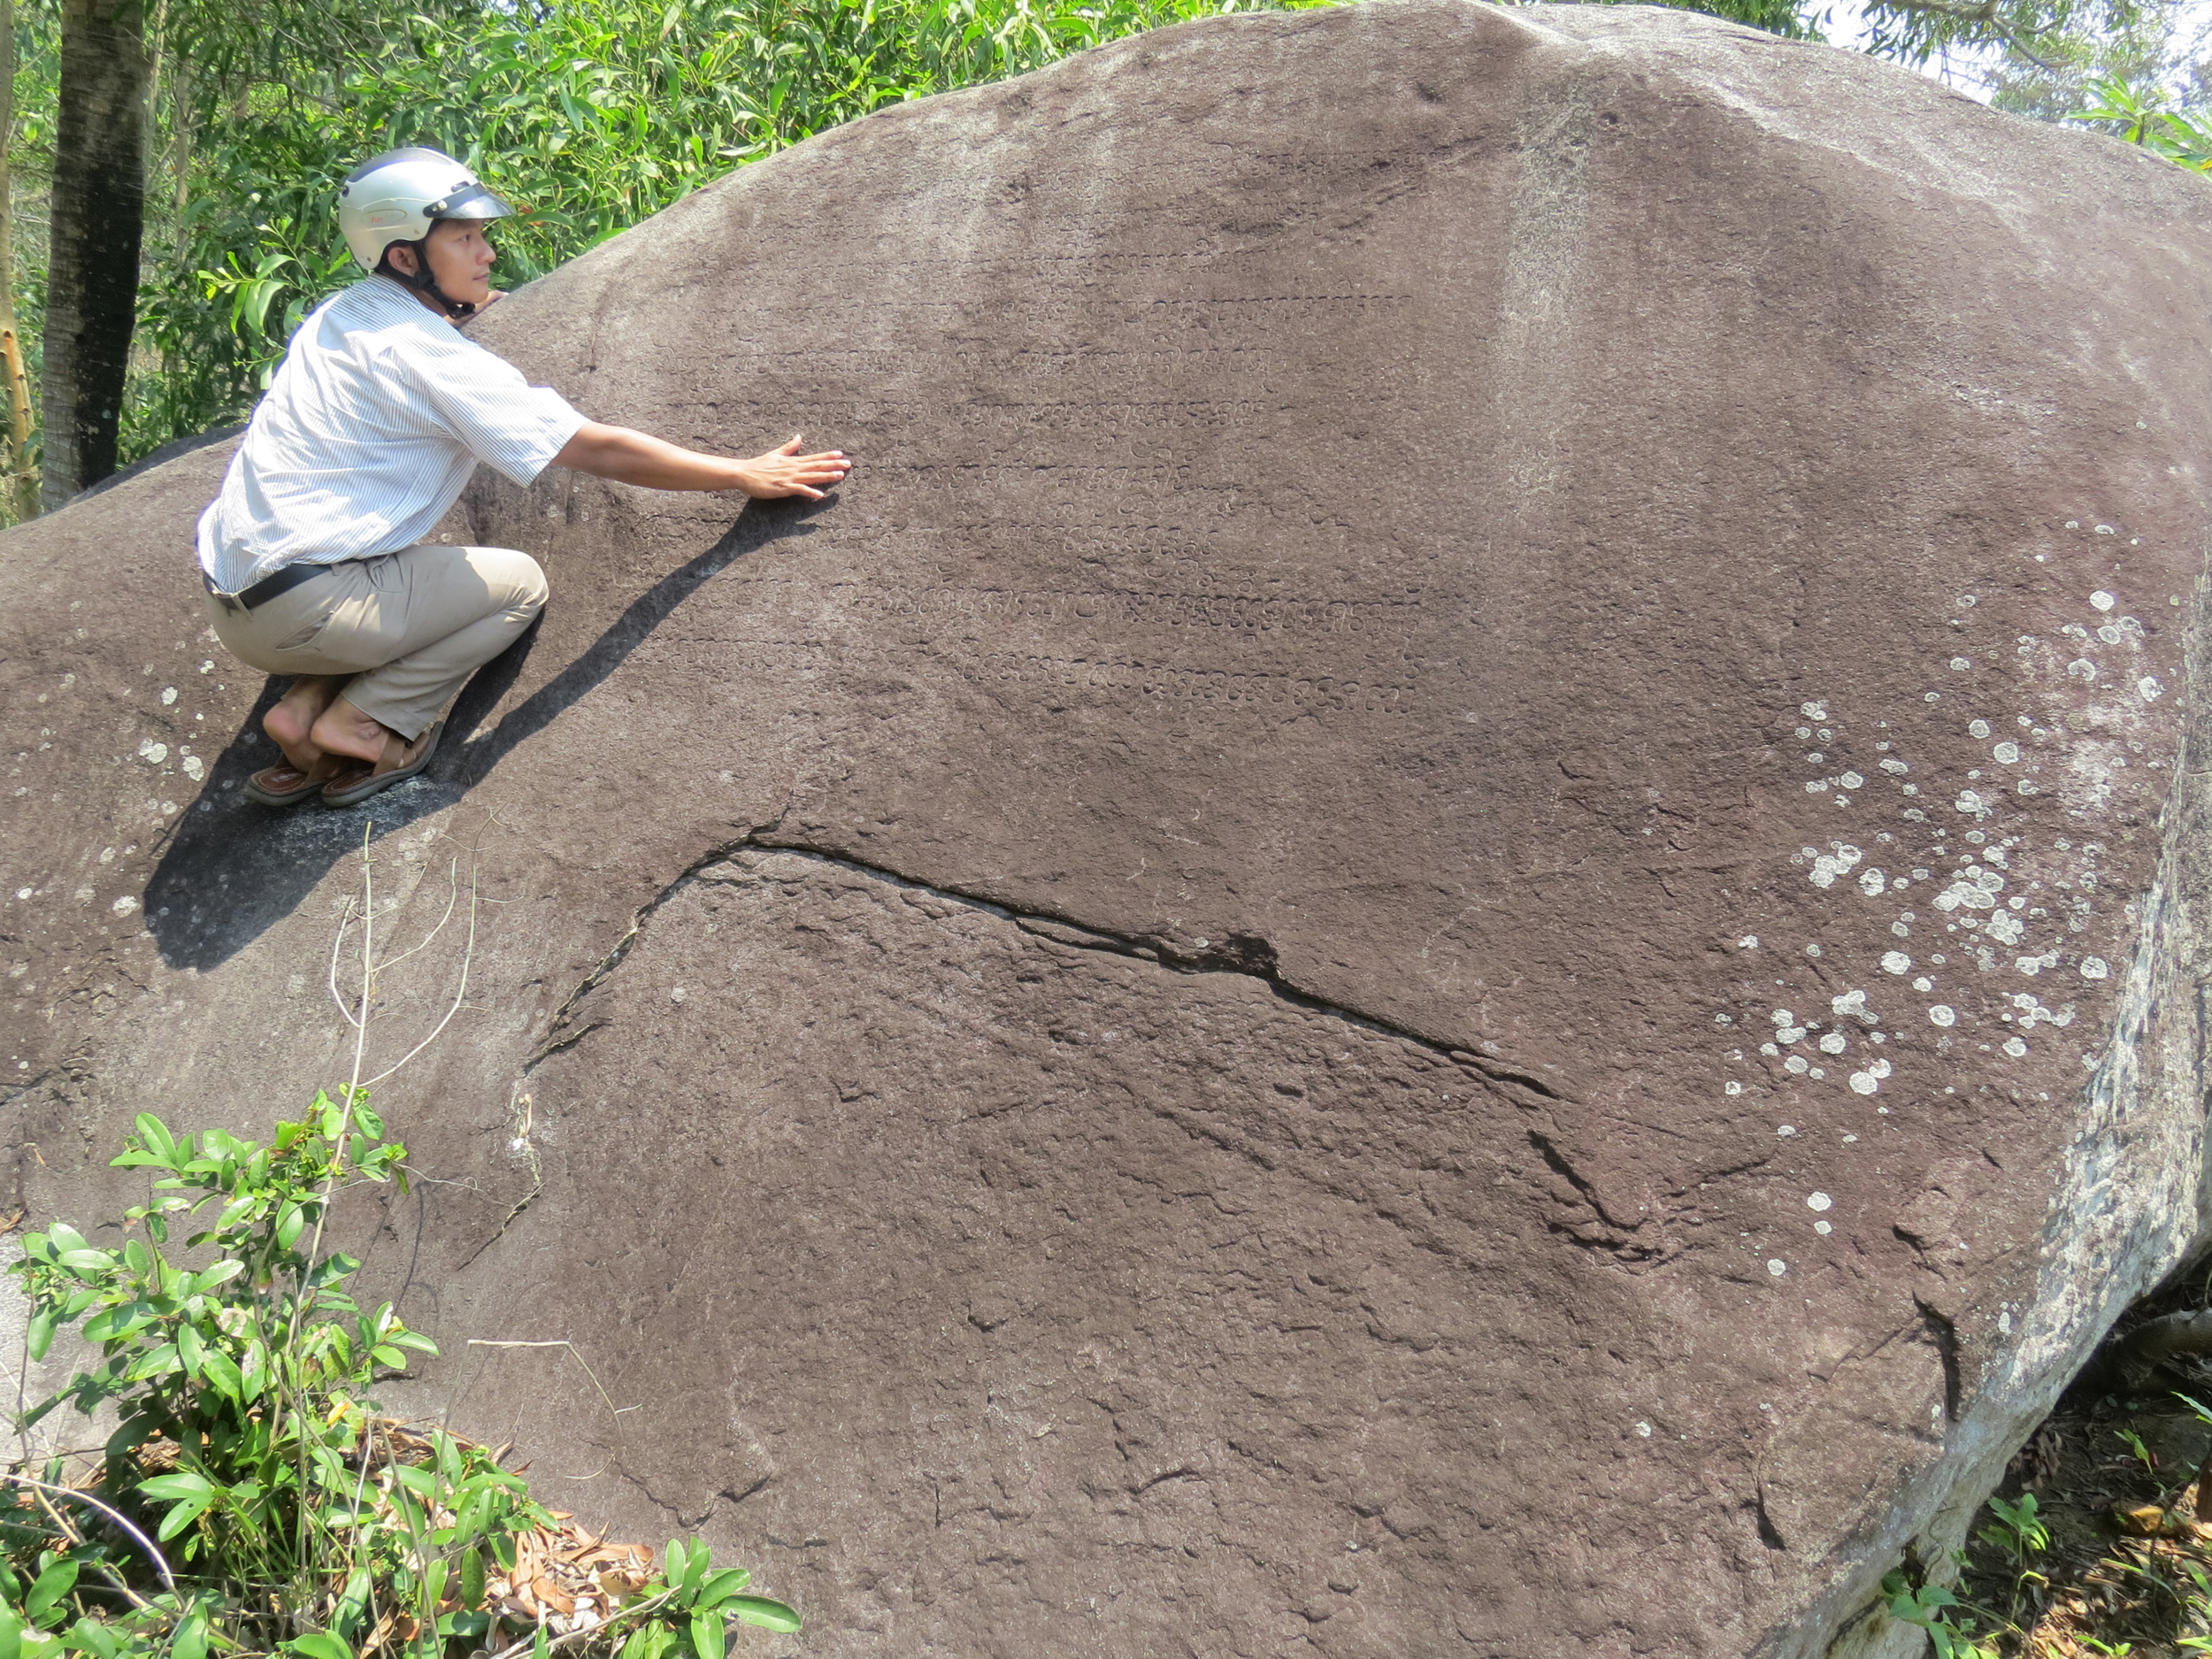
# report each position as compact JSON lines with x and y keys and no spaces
{"x":398,"y":195}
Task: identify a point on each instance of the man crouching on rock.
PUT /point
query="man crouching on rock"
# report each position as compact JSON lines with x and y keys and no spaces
{"x":314,"y":555}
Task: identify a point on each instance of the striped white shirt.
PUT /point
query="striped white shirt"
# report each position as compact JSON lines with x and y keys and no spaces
{"x":378,"y":413}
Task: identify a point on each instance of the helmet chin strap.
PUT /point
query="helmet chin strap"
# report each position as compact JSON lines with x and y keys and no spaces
{"x":421,"y":279}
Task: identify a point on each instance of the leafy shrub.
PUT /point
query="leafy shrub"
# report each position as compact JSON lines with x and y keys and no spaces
{"x":250,"y":1501}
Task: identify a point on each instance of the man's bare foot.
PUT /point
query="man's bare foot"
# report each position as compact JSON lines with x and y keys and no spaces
{"x":343,"y":729}
{"x":290,"y":723}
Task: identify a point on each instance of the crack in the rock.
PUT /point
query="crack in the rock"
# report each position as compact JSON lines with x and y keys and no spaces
{"x":1943,"y":1336}
{"x":1246,"y":954}
{"x":556,"y":1039}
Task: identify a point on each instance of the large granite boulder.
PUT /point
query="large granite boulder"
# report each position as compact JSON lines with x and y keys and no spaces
{"x":1456,"y":908}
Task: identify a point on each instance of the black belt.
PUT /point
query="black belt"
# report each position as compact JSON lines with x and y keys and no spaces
{"x":267,"y":588}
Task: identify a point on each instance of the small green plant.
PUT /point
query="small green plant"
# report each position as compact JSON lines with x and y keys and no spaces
{"x":1932,"y":1608}
{"x":2017,"y":1530}
{"x":251,"y":1500}
{"x":2142,"y":1453}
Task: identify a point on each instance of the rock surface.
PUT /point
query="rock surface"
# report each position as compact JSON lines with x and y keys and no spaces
{"x":1455,"y":911}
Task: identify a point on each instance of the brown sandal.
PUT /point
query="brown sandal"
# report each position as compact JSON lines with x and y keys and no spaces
{"x":358,"y":783}
{"x":267,"y":786}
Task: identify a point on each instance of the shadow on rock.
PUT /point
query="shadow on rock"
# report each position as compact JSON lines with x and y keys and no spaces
{"x":234,"y":868}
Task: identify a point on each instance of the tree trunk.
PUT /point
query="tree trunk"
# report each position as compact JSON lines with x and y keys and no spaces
{"x":99,"y":216}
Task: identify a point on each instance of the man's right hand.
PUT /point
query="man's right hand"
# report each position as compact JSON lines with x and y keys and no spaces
{"x":637,"y":458}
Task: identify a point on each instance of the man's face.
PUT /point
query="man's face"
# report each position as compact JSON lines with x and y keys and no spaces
{"x":461,"y":259}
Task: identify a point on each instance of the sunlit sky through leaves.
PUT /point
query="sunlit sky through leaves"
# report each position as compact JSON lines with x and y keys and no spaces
{"x":1968,"y":72}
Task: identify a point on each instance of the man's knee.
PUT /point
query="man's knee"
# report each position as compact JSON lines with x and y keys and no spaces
{"x":516,"y":576}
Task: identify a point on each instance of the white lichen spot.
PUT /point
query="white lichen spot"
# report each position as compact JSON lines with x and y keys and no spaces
{"x":2018,"y":1050}
{"x":1873,"y":883}
{"x":1940,"y":1015}
{"x":1823,"y":1228}
{"x":1834,"y":1042}
{"x":1749,"y":941}
{"x":168,"y":695}
{"x":1731,"y":1089}
{"x":1818,"y":1201}
{"x":1852,"y":1005}
{"x":1971,"y":803}
{"x":2095,"y":968}
{"x":2082,"y":668}
{"x":2006,"y":753}
{"x":1895,"y":766}
{"x":1828,"y":865}
{"x":1813,"y":711}
{"x":1851,"y":780}
{"x":124,"y":906}
{"x":195,"y":768}
{"x":1797,"y":1064}
{"x":1896,"y":962}
{"x":2005,"y":928}
{"x":1960,"y":664}
{"x":153,"y":753}
{"x":2102,"y":600}
{"x":1977,"y":729}
{"x":1924,"y":983}
{"x":2150,"y":688}
{"x":1777,"y":1266}
{"x":1786,"y":1130}
{"x":1644,"y":1430}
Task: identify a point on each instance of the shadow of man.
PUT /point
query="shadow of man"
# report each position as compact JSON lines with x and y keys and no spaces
{"x":233,"y":868}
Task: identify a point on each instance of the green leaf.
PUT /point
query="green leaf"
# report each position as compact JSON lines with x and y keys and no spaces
{"x":764,"y":1611}
{"x":93,"y":1636}
{"x":221,"y":1273}
{"x":157,"y":1139}
{"x":182,"y":1485}
{"x":11,"y":1633}
{"x":190,"y":1349}
{"x":191,"y":1639}
{"x":40,"y":1336}
{"x":62,"y":1236}
{"x":674,"y":1560}
{"x":707,"y":1635}
{"x":539,"y":1647}
{"x":717,"y":1587}
{"x":222,"y":1372}
{"x":49,"y":1588}
{"x":319,"y":1644}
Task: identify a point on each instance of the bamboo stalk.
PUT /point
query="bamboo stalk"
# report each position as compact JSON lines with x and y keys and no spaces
{"x":22,"y":477}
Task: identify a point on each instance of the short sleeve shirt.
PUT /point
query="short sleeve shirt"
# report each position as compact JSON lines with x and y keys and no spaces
{"x":367,"y":434}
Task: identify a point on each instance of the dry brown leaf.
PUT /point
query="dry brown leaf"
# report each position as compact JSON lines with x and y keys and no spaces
{"x":550,"y":1594}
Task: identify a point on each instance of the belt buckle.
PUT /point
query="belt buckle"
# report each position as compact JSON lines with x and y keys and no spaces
{"x":229,"y":602}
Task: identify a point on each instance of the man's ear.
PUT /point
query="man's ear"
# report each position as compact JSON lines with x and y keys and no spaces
{"x":402,"y":258}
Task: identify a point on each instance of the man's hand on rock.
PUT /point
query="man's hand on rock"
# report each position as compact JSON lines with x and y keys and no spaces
{"x":637,"y":458}
{"x":784,"y":472}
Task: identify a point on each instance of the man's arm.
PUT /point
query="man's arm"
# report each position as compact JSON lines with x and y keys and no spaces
{"x":636,"y":457}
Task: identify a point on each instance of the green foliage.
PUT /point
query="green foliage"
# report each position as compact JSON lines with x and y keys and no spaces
{"x":589,"y":114}
{"x":1933,"y":1608}
{"x":2141,"y":115}
{"x":250,"y":1501}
